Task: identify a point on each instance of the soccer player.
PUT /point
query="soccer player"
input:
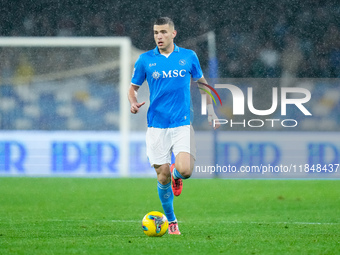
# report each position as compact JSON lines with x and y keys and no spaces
{"x":168,"y":70}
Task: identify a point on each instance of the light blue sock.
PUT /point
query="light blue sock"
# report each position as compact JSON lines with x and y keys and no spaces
{"x":167,"y":197}
{"x":177,"y":175}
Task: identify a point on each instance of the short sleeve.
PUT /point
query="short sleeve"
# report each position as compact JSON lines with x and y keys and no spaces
{"x":196,"y":71}
{"x":139,"y":74}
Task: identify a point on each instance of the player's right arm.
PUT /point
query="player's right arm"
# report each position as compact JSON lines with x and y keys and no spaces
{"x":132,"y":95}
{"x":137,"y":80}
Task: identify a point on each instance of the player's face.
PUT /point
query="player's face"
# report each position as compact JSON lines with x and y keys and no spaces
{"x":164,"y":37}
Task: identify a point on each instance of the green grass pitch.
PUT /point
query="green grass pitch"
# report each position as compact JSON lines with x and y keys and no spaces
{"x":103,"y":216}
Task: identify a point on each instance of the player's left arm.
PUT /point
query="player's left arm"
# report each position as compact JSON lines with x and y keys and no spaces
{"x":211,"y":112}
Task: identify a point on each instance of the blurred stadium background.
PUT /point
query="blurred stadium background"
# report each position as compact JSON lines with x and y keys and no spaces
{"x":77,"y":89}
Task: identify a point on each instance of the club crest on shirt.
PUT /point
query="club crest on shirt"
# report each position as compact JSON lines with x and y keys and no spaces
{"x":156,"y":75}
{"x":182,"y":62}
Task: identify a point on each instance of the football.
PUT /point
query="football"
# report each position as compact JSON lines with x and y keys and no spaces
{"x":155,"y":224}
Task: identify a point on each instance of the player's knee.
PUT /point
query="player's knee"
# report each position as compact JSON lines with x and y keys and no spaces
{"x":184,"y":164}
{"x":163,"y":174}
{"x":186,"y":174}
{"x":184,"y":170}
{"x":163,"y":179}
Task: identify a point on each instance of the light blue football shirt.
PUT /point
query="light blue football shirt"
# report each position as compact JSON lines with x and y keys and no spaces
{"x":169,"y":85}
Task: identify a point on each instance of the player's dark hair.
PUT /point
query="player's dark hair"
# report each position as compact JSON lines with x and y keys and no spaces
{"x":164,"y":21}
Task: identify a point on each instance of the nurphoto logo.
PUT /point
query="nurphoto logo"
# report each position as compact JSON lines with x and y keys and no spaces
{"x":238,"y":108}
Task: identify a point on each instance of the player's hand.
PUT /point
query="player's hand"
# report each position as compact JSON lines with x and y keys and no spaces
{"x":211,"y":118}
{"x":135,"y":107}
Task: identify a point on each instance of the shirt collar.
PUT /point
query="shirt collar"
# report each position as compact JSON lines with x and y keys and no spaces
{"x":156,"y":50}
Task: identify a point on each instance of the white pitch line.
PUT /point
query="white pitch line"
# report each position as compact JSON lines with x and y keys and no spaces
{"x":245,"y":222}
{"x":223,"y":222}
{"x":133,"y":221}
{"x":74,"y":220}
{"x":280,"y":222}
